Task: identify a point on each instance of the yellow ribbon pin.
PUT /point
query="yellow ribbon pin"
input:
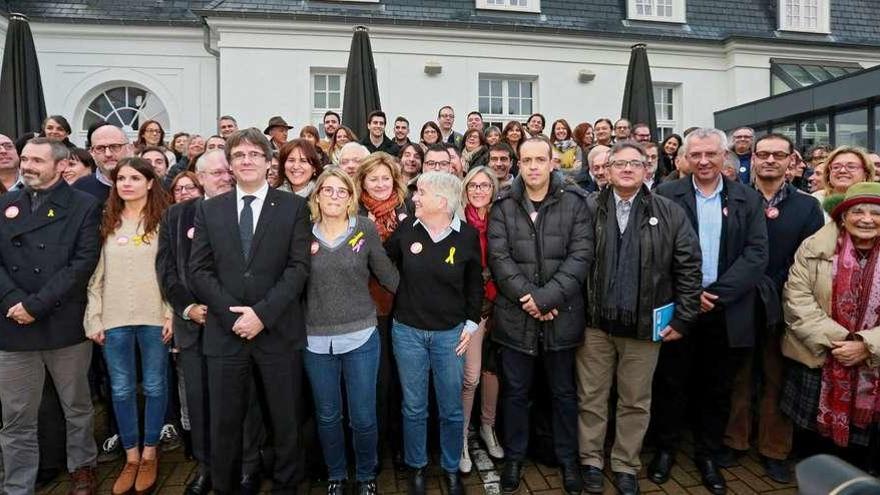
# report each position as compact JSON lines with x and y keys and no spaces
{"x":451,"y":258}
{"x":354,"y":240}
{"x":51,"y":213}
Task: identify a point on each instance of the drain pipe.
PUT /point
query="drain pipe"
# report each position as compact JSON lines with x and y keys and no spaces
{"x":216,"y":54}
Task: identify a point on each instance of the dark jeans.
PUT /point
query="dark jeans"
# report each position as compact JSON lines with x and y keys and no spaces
{"x":696,"y":372}
{"x":388,"y":396}
{"x":517,"y":372}
{"x":358,"y":368}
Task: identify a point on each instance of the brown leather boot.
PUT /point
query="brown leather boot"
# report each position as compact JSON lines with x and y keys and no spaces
{"x":125,"y":481}
{"x":146,"y":476}
{"x":82,"y":482}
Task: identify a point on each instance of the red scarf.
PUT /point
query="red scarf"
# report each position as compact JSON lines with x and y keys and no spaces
{"x":851,"y":395}
{"x":383,"y":213}
{"x":482,"y":226}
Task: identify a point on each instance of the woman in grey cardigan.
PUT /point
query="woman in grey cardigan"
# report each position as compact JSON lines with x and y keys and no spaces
{"x":341,"y":326}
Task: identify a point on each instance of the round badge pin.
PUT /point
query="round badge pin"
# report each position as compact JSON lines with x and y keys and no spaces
{"x":724,"y":211}
{"x":122,"y":240}
{"x":742,"y":170}
{"x":772,"y":213}
{"x":416,"y":248}
{"x":653,"y":221}
{"x":191,"y":232}
{"x":11,"y":212}
{"x":315,"y":247}
{"x":401,"y":217}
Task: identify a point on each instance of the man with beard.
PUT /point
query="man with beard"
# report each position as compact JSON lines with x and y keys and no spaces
{"x":108,"y":145}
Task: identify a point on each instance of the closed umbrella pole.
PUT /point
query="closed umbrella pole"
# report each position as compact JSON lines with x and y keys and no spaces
{"x":21,"y":88}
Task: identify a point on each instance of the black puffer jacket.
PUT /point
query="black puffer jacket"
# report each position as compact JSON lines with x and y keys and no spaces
{"x":548,"y":259}
{"x":670,"y":258}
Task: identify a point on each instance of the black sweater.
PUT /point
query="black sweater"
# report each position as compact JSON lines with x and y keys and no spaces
{"x":439,"y":288}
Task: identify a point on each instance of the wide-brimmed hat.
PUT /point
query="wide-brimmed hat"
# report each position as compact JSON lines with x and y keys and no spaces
{"x":862,"y":192}
{"x":276,"y":121}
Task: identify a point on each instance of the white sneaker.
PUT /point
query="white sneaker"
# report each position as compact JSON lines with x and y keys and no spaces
{"x":464,"y":464}
{"x":487,"y":433}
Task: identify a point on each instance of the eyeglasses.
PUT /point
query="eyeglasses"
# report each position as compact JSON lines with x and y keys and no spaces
{"x":777,"y":155}
{"x":7,"y":146}
{"x":622,"y":164}
{"x":102,"y":148}
{"x":850,"y":167}
{"x":184,"y":188}
{"x":330,"y":191}
{"x":218,"y":173}
{"x":708,"y":155}
{"x":253,"y":155}
{"x":434,"y":165}
{"x":502,"y":159}
{"x":482,"y":186}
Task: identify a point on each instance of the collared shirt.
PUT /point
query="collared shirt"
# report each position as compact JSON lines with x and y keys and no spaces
{"x":774,"y":200}
{"x":709,"y":220}
{"x":337,"y":344}
{"x":622,"y":207}
{"x":103,"y":179}
{"x":469,"y":325}
{"x":256,"y":205}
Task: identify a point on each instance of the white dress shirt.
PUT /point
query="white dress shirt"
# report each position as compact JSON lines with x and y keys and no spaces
{"x":256,"y":205}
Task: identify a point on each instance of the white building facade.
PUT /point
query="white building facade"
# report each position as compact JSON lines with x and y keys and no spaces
{"x":257,"y":64}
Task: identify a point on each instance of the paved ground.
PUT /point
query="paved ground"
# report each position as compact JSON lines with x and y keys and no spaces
{"x":747,"y":479}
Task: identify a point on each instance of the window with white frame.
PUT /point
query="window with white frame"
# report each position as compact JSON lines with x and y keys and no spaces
{"x":656,"y":10}
{"x":666,"y":110}
{"x":812,"y":16}
{"x":510,"y":5}
{"x":126,"y":106}
{"x":327,"y":89}
{"x":505,"y":98}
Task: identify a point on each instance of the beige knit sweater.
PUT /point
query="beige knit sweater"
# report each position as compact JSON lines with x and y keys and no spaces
{"x":124,"y":289}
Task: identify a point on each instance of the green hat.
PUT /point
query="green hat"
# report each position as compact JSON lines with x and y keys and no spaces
{"x":862,"y":192}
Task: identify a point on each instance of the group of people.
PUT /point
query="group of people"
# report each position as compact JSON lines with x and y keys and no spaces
{"x":246,"y":281}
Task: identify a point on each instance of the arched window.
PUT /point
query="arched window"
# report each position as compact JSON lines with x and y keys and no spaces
{"x":125,"y":106}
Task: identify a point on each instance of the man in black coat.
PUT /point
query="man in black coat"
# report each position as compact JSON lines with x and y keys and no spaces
{"x":540,"y":249}
{"x":729,"y":220}
{"x":792,"y":216}
{"x":172,"y":265}
{"x":49,"y":248}
{"x":109,"y":144}
{"x":252,"y":281}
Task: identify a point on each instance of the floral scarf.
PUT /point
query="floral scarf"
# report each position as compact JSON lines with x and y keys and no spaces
{"x":383,"y":213}
{"x":851,"y":395}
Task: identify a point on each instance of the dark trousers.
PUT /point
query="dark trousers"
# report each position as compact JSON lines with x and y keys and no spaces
{"x":697,"y":372}
{"x":195,"y":373}
{"x":517,"y":372}
{"x":230,"y":385}
{"x":388,"y":397}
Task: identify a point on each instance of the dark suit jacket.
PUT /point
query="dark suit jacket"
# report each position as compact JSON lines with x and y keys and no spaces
{"x":91,"y":185}
{"x":270,"y":280}
{"x":46,"y":260}
{"x":172,"y":267}
{"x":743,"y":256}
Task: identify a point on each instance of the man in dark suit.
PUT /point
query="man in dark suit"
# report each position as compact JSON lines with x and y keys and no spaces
{"x":729,"y":219}
{"x":108,"y":145}
{"x":251,"y":282}
{"x":49,"y":247}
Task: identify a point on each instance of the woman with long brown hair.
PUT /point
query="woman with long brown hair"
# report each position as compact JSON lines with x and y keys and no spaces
{"x":341,"y":137}
{"x":125,"y":310}
{"x":513,"y":134}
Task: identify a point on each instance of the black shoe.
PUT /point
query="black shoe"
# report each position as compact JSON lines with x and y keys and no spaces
{"x":367,"y":487}
{"x":711,"y":476}
{"x":199,"y":486}
{"x":416,"y":481}
{"x":728,"y":457}
{"x":626,"y":483}
{"x":661,"y":464}
{"x":336,"y":487}
{"x":571,"y":478}
{"x":453,"y":484}
{"x":510,"y":476}
{"x":594,"y":480}
{"x":777,"y":470}
{"x":250,"y":484}
{"x":46,"y":476}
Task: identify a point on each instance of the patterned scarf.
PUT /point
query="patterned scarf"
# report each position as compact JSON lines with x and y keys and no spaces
{"x":851,"y":395}
{"x":383,"y":211}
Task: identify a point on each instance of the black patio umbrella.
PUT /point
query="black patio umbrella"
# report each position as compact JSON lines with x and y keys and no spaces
{"x":361,"y":87}
{"x":21,"y":90}
{"x":638,"y":94}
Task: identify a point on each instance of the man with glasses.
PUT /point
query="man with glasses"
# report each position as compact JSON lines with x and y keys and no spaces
{"x":109,"y":144}
{"x":9,"y":179}
{"x":791,"y":218}
{"x":445,"y":119}
{"x":620,"y":341}
{"x":652,"y":152}
{"x":249,"y":264}
{"x":622,"y":130}
{"x":742,"y":148}
{"x":730,"y":223}
{"x":642,"y":133}
{"x":437,"y":159}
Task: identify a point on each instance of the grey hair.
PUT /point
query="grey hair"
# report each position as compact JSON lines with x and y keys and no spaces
{"x":470,"y":176}
{"x":351,"y":145}
{"x":446,"y":186}
{"x":596,"y":151}
{"x":201,"y":162}
{"x":58,"y":150}
{"x":703,"y":133}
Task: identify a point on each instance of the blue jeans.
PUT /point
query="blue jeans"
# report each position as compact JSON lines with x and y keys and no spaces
{"x":419,"y":352}
{"x":119,"y":352}
{"x":360,"y":368}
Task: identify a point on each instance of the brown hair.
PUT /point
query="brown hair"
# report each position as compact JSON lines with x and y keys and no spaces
{"x":352,"y":137}
{"x":157,"y":200}
{"x":478,"y":132}
{"x":565,"y":125}
{"x":580,"y":132}
{"x":141,"y":142}
{"x":307,"y":149}
{"x":186,"y":174}
{"x":374,"y":161}
{"x":251,"y":135}
{"x":310,"y":130}
{"x":522,"y":133}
